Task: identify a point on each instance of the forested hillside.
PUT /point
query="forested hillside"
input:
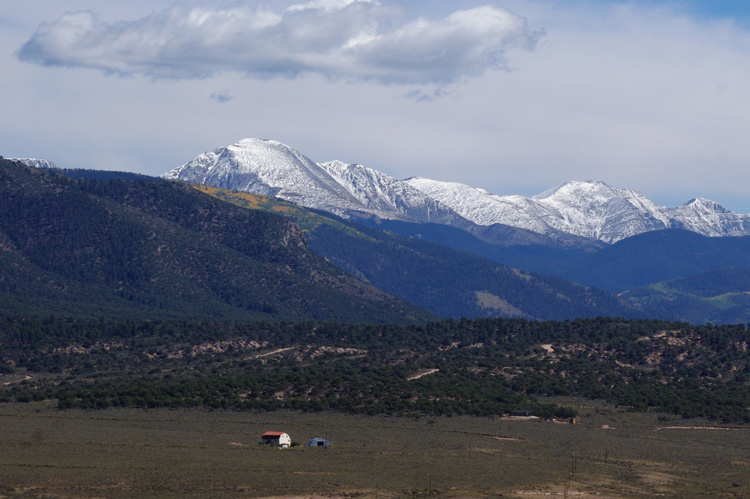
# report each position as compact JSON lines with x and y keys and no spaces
{"x":158,"y":249}
{"x":633,"y":262}
{"x":670,"y":274}
{"x":437,"y":278}
{"x":480,"y":367}
{"x":717,"y":297}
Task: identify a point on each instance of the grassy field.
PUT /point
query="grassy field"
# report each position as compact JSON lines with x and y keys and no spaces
{"x":192,"y":453}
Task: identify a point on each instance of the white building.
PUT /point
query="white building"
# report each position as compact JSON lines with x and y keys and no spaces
{"x":276,"y":438}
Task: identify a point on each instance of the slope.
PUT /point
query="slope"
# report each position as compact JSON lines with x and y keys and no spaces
{"x":442,"y":280}
{"x":159,"y":249}
{"x":719,"y":296}
{"x":633,"y":262}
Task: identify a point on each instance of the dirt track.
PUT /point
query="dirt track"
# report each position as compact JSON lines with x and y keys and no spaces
{"x":420,"y":375}
{"x":8,"y":383}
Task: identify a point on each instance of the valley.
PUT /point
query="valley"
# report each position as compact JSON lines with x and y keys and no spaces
{"x":310,"y":249}
{"x":194,"y":317}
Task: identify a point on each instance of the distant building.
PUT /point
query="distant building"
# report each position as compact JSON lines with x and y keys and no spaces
{"x":276,"y":438}
{"x":319,"y":442}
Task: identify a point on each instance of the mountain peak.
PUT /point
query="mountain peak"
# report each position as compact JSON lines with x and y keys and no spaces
{"x":588,"y":190}
{"x":262,"y":166}
{"x":269,"y":146}
{"x":705,"y":205}
{"x":589,"y":208}
{"x":389,"y":197}
{"x":35,"y":163}
{"x":269,"y":167}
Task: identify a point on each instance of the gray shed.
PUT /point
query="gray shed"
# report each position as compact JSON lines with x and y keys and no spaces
{"x":319,"y":442}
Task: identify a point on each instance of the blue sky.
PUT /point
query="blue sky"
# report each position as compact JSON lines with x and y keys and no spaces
{"x":512,"y":96}
{"x":735,"y":9}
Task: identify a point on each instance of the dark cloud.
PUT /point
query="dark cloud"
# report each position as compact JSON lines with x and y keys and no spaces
{"x":355,"y":40}
{"x":221,"y":97}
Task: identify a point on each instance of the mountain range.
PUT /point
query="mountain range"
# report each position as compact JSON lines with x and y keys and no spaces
{"x":442,"y":280}
{"x":669,"y":274}
{"x":389,"y":228}
{"x":90,"y":244}
{"x":578,"y":213}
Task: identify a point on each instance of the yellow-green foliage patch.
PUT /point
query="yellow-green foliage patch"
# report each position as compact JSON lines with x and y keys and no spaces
{"x":307,"y":220}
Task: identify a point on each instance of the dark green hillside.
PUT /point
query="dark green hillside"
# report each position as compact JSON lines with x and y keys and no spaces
{"x":636,"y":261}
{"x":671,"y":274}
{"x":151,"y":248}
{"x":718,"y":296}
{"x":82,"y":174}
{"x":714,"y":283}
{"x":661,"y":255}
{"x":442,"y":280}
{"x":496,"y":242}
{"x":458,"y":284}
{"x":479,"y":367}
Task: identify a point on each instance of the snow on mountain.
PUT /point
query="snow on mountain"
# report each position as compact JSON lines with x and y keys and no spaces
{"x":485,"y":208}
{"x":587,"y":209}
{"x":711,"y":219}
{"x":383,"y":193}
{"x":595,"y":209}
{"x":271,"y":168}
{"x":275,"y":169}
{"x":35,"y":163}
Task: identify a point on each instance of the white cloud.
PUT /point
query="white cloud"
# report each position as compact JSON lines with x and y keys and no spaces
{"x":355,"y":40}
{"x":635,"y":94}
{"x":327,"y":4}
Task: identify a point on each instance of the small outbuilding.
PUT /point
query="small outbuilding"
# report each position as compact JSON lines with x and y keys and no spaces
{"x":276,"y":438}
{"x":319,"y":442}
{"x":522,"y":414}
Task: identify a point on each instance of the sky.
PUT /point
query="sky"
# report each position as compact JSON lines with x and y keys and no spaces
{"x":512,"y":96}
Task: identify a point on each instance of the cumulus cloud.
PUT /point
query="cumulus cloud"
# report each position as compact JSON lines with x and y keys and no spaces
{"x":355,"y":40}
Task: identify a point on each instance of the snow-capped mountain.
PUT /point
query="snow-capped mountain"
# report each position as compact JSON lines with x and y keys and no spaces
{"x":588,"y":209}
{"x":35,"y":163}
{"x":268,"y":167}
{"x":271,"y":168}
{"x":385,"y":194}
{"x":711,"y":219}
{"x":573,"y":213}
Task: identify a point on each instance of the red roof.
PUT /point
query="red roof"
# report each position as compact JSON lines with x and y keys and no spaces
{"x":273,"y":434}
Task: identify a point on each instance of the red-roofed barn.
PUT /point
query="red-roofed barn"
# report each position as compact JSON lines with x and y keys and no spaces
{"x":276,"y":438}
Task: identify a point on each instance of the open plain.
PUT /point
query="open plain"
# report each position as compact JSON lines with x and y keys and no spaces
{"x":118,"y":453}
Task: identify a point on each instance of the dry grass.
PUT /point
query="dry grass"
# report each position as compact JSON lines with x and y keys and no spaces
{"x":192,"y":453}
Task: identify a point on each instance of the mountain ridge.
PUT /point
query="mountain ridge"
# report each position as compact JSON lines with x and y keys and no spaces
{"x":570,"y":213}
{"x":159,"y":249}
{"x":585,"y":208}
{"x":410,"y":268}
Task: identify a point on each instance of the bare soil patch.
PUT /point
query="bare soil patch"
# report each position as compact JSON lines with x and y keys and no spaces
{"x":422,"y":374}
